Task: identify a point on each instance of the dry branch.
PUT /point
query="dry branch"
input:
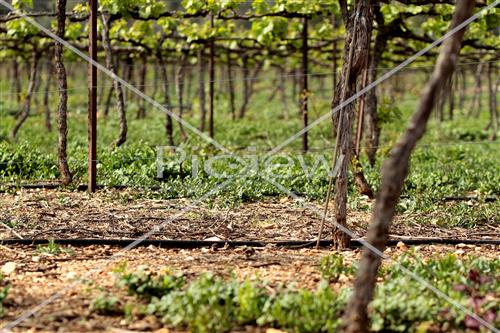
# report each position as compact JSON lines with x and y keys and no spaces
{"x":394,"y":172}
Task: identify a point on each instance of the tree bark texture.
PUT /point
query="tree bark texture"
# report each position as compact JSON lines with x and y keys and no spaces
{"x":62,"y":108}
{"x":166,"y":95}
{"x":46,"y":94}
{"x":357,"y":43}
{"x":35,"y":56}
{"x":394,"y":172}
{"x":120,"y":99}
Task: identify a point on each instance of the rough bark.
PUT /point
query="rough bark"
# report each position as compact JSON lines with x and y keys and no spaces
{"x":201,"y":90}
{"x":35,"y":55}
{"x":359,"y":177}
{"x":48,"y":116}
{"x":62,"y":108}
{"x":120,"y":99}
{"x":357,"y":43}
{"x":394,"y":172}
{"x":334,"y":55}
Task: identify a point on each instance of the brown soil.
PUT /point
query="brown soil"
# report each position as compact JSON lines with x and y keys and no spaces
{"x":117,"y":214}
{"x":37,"y":276}
{"x":34,"y":276}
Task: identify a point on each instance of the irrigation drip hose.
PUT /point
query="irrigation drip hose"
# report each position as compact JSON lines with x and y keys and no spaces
{"x":194,"y":244}
{"x":83,"y":187}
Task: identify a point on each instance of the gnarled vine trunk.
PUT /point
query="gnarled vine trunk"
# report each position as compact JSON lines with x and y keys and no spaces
{"x":394,"y":172}
{"x":48,"y":116}
{"x":371,"y":100}
{"x":232,"y":98}
{"x":475,"y":104}
{"x":201,"y":90}
{"x":35,"y":56}
{"x":305,"y":85}
{"x":169,"y":129}
{"x":357,"y":43}
{"x":62,"y":108}
{"x":179,"y":88}
{"x":141,"y":111}
{"x":248,"y":83}
{"x":120,"y":99}
{"x":17,"y":81}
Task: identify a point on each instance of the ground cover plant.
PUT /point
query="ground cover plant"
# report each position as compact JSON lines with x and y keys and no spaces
{"x":210,"y":303}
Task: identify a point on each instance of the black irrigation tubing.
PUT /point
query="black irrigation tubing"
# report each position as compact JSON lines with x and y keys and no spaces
{"x":194,"y":244}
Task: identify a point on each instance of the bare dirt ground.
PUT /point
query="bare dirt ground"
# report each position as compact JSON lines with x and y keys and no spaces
{"x":34,"y":275}
{"x":118,"y":214}
{"x":37,"y":276}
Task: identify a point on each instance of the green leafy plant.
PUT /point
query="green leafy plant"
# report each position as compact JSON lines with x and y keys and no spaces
{"x":53,"y":248}
{"x":332,"y":267}
{"x":106,"y":304}
{"x":210,"y":303}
